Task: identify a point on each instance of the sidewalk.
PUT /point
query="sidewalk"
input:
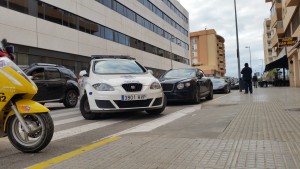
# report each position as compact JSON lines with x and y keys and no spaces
{"x":263,"y":133}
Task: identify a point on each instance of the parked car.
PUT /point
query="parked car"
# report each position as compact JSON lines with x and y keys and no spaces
{"x":186,"y":84}
{"x":55,"y":83}
{"x":119,"y":83}
{"x":220,"y":85}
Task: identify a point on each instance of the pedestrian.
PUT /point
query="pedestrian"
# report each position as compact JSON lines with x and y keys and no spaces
{"x":254,"y":79}
{"x":247,"y":78}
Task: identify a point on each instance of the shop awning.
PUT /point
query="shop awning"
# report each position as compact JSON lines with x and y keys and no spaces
{"x":279,"y":63}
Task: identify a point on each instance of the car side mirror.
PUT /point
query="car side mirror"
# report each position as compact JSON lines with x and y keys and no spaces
{"x":83,"y":73}
{"x":150,"y":71}
{"x":30,"y":77}
{"x":200,"y":76}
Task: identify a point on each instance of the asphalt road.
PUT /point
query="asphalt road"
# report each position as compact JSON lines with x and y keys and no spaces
{"x":73,"y":132}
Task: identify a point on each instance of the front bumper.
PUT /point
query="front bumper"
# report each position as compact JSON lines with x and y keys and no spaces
{"x":179,"y":95}
{"x":111,"y":102}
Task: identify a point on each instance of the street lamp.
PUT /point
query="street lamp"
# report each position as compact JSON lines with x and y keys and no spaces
{"x":238,"y":50}
{"x":250,"y":54}
{"x":171,"y":54}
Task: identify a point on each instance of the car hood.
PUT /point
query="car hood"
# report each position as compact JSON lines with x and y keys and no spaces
{"x":173,"y":80}
{"x":119,"y":79}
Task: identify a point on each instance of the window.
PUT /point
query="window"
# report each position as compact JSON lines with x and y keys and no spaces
{"x":109,"y":34}
{"x":194,"y":40}
{"x":17,"y":5}
{"x":53,"y":14}
{"x":195,"y":61}
{"x":194,"y":54}
{"x":194,"y":47}
{"x":52,"y":74}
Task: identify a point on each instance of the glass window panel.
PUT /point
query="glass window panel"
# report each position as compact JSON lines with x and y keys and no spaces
{"x":20,"y":6}
{"x":53,"y":14}
{"x":3,"y":3}
{"x":94,"y":29}
{"x":41,"y":10}
{"x":109,"y":34}
{"x":82,"y":24}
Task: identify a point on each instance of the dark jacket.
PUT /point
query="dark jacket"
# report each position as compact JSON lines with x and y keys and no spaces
{"x":247,"y":73}
{"x":254,"y":78}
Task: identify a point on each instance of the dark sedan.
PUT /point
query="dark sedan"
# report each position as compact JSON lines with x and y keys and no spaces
{"x":220,"y":85}
{"x":186,"y":84}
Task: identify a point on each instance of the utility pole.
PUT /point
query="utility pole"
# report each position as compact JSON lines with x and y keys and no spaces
{"x":238,"y":50}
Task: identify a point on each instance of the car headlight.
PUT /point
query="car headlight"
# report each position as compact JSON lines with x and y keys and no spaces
{"x":155,"y":85}
{"x":180,"y":86}
{"x":188,"y":84}
{"x":103,"y":87}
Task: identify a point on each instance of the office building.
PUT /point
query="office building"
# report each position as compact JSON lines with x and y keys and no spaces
{"x":69,"y":32}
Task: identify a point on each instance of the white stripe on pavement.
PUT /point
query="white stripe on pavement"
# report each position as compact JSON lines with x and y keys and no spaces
{"x":70,"y":120}
{"x":64,"y":114}
{"x":84,"y":128}
{"x":151,"y":125}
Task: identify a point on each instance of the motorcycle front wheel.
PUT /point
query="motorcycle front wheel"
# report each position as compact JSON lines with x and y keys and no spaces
{"x":33,"y":142}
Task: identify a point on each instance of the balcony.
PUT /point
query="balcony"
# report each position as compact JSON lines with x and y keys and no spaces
{"x":274,"y":40}
{"x":276,"y":12}
{"x":292,"y":3}
{"x":279,"y":28}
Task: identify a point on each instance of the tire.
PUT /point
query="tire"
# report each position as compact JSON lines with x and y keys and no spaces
{"x":197,"y":97}
{"x":71,"y":99}
{"x":34,"y":142}
{"x":211,"y":93}
{"x":85,"y":108}
{"x":160,"y":110}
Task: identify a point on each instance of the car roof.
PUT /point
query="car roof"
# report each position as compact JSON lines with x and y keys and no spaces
{"x":112,"y":57}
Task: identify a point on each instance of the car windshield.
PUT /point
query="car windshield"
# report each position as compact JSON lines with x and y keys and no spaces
{"x":118,"y":67}
{"x":180,"y":73}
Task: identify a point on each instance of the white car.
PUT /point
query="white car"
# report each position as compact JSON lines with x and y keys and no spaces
{"x":119,"y":83}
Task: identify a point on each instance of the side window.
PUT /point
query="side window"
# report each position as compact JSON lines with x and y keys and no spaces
{"x":52,"y":74}
{"x":68,"y":73}
{"x":38,"y":74}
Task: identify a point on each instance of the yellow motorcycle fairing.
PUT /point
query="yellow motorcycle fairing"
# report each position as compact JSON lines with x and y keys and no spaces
{"x":27,"y":106}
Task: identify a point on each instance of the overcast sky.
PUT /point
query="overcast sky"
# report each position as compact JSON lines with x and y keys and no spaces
{"x":219,"y":15}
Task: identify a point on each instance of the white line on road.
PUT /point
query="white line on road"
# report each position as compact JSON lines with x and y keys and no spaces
{"x":81,"y":129}
{"x":70,"y":120}
{"x":151,"y":125}
{"x":64,"y":114}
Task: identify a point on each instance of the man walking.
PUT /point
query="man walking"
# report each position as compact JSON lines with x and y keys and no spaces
{"x":247,"y":78}
{"x":255,"y":79}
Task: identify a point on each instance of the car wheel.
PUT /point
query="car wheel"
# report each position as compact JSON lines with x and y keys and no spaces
{"x":71,"y":99}
{"x":197,"y":97}
{"x":160,"y":110}
{"x":211,"y":94}
{"x":85,"y":108}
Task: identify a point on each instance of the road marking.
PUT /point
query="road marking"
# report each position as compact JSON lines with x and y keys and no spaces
{"x":67,"y":156}
{"x":151,"y":125}
{"x":63,"y":114}
{"x":84,"y":128}
{"x":70,"y":120}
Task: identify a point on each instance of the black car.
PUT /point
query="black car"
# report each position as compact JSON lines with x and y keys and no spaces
{"x":186,"y":84}
{"x":221,"y":85}
{"x":55,"y":84}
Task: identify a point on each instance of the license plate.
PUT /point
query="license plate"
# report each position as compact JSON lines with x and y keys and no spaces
{"x":133,"y":97}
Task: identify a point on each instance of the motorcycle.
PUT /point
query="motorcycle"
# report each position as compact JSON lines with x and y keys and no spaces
{"x":27,"y":124}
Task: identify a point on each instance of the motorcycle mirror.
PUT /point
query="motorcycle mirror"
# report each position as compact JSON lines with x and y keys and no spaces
{"x":83,"y":73}
{"x":10,"y":49}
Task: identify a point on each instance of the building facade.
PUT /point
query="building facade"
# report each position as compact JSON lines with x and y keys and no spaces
{"x":268,"y":54}
{"x":208,"y":52}
{"x":285,"y":22}
{"x":68,"y":32}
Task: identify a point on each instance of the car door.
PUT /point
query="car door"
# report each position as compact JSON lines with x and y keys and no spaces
{"x":55,"y":84}
{"x":201,"y":81}
{"x":38,"y":76}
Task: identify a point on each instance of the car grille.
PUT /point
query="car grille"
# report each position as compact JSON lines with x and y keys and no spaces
{"x":167,"y":87}
{"x":132,"y":87}
{"x":132,"y":104}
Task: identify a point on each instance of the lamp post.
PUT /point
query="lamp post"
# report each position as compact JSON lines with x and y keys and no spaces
{"x":171,"y":54}
{"x":237,"y":50}
{"x":250,"y":54}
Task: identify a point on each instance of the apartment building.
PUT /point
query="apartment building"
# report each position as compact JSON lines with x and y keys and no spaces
{"x":208,"y":52}
{"x":285,"y":22}
{"x":268,"y":54}
{"x":69,"y":32}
